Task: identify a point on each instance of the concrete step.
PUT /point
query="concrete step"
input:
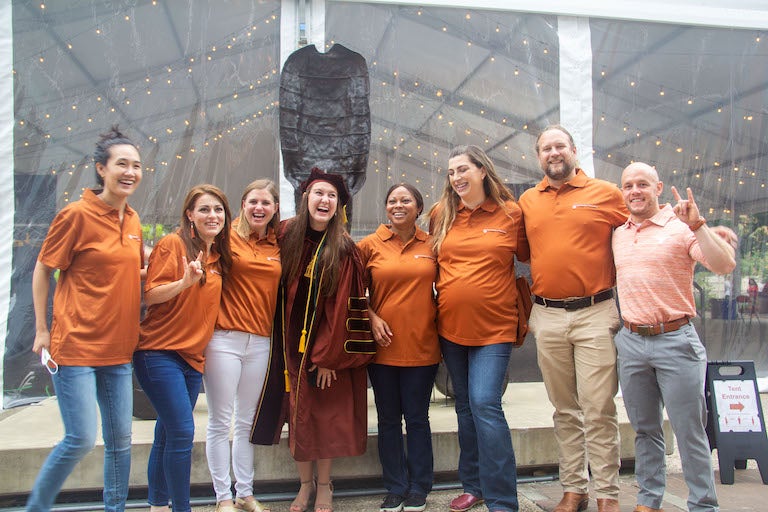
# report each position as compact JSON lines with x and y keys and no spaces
{"x":28,"y":434}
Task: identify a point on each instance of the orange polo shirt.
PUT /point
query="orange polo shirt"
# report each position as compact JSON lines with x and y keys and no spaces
{"x":399,"y":277}
{"x":184,"y":323}
{"x":569,"y":232}
{"x":476,"y":293}
{"x":249,"y":294}
{"x":97,"y":302}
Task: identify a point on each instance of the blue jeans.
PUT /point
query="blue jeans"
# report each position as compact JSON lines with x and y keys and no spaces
{"x":172,"y":386}
{"x":78,"y":390}
{"x":487,"y":466}
{"x":403,"y":392}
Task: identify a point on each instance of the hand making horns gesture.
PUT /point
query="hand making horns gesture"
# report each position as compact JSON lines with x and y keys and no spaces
{"x":686,"y":209}
{"x":193,"y":271}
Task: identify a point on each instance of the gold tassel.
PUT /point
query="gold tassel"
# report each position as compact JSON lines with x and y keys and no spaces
{"x":344,"y":219}
{"x":287,"y":382}
{"x":303,"y":341}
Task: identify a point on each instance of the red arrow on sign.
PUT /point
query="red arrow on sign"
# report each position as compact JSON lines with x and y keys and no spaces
{"x":736,"y":407}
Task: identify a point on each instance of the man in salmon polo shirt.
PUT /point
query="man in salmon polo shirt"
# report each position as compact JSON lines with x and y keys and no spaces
{"x":662,"y":362}
{"x":569,"y":218}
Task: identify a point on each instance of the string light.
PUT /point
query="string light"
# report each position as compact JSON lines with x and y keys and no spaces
{"x":439,"y":93}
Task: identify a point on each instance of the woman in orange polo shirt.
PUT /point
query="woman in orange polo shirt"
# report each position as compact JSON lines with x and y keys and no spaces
{"x":237,"y":356}
{"x":182,"y":292}
{"x":96,"y":244}
{"x":400,"y":269}
{"x":476,"y":226}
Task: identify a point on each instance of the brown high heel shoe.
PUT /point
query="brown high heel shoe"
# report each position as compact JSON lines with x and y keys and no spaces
{"x":302,"y":505}
{"x":324,"y":507}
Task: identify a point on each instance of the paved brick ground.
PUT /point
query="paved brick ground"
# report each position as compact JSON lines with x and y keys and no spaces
{"x":748,"y":493}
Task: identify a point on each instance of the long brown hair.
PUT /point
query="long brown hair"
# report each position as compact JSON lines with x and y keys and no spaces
{"x":196,"y":244}
{"x":444,"y":210}
{"x":338,"y":244}
{"x":243,"y":228}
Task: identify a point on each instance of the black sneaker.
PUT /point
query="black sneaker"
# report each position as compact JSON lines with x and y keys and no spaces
{"x":392,"y":503}
{"x":415,"y":503}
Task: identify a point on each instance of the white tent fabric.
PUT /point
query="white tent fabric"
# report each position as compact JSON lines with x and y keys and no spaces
{"x":681,"y":85}
{"x":6,"y":171}
{"x":576,"y":85}
{"x":715,"y":13}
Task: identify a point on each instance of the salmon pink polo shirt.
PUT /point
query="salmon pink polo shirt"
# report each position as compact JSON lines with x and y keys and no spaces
{"x":654,"y":268}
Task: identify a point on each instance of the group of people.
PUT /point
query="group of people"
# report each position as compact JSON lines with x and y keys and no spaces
{"x":285,"y":321}
{"x":587,"y":238}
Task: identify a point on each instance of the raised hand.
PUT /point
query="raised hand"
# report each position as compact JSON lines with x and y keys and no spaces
{"x":686,"y":209}
{"x":193,"y":271}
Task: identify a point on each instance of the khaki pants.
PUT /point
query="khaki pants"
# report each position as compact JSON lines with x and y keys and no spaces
{"x":577,"y":358}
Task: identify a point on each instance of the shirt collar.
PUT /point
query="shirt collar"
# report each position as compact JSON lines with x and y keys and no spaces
{"x":489,"y":205}
{"x":661,"y":218}
{"x":384,"y":232}
{"x":578,"y":181}
{"x":271,"y":237}
{"x":91,"y":197}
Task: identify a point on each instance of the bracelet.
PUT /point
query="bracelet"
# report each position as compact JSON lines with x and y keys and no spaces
{"x":696,"y":225}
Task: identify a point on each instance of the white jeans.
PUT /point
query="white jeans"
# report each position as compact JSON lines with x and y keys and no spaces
{"x":235,"y":367}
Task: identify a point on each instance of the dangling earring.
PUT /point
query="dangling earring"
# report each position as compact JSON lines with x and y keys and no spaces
{"x":191,"y":230}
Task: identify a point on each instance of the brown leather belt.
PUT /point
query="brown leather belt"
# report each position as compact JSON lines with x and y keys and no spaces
{"x":656,"y":329}
{"x":576,"y":302}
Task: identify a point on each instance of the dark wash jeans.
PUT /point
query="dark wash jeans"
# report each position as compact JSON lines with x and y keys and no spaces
{"x":172,"y":386}
{"x":403,"y":392}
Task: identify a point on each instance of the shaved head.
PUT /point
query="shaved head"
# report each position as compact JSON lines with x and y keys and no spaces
{"x":641,"y":167}
{"x":641,"y":188}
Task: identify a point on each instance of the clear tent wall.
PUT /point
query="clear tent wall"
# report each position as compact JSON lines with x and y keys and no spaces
{"x":196,"y":84}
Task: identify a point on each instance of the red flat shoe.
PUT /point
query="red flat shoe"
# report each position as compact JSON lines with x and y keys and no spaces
{"x":464,"y":502}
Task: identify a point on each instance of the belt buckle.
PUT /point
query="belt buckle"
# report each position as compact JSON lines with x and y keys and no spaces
{"x":574,"y":304}
{"x":645,"y":330}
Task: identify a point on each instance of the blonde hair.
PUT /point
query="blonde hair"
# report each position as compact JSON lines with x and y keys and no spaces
{"x":444,"y":211}
{"x":243,"y":228}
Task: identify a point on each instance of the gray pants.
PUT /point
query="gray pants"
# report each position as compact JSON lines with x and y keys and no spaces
{"x":667,"y":370}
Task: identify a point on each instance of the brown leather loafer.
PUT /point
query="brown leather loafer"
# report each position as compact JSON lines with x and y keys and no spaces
{"x":607,"y":505}
{"x":572,"y":502}
{"x":643,"y":508}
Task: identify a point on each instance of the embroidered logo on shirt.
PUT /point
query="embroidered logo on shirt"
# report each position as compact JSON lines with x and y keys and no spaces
{"x":427,"y":256}
{"x":494,"y":230}
{"x":584,"y":206}
{"x":134,"y":237}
